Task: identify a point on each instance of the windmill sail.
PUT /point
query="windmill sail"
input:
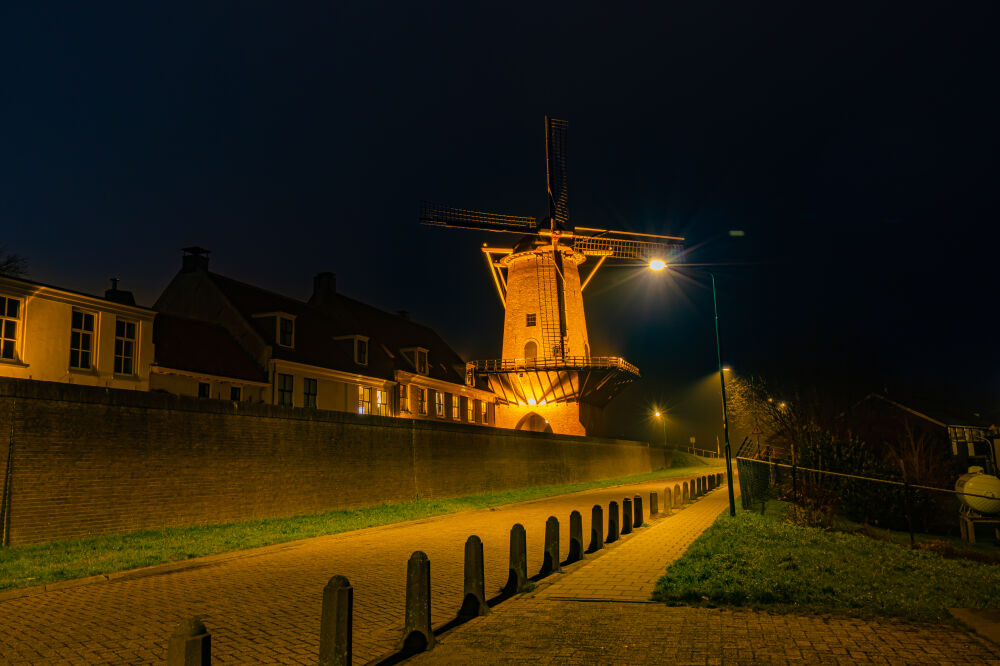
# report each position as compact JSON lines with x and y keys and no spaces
{"x":448,"y":216}
{"x":555,"y":166}
{"x":621,"y":248}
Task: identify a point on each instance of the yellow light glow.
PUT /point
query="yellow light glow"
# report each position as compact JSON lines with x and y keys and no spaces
{"x":657,"y":415}
{"x":657,"y":265}
{"x":726,"y":368}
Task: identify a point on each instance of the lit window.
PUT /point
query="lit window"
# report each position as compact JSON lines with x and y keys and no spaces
{"x":204,"y":390}
{"x":439,"y":404}
{"x":286,"y":383}
{"x":421,"y":396}
{"x":421,"y":356}
{"x":309,"y":391}
{"x":81,"y":344}
{"x":531,"y":319}
{"x":470,"y":410}
{"x":361,"y":351}
{"x":404,"y":399}
{"x":125,"y":347}
{"x":382,"y":403}
{"x":456,"y":407}
{"x":364,"y":400}
{"x":235,"y":393}
{"x":10,"y":314}
{"x":286,"y":332}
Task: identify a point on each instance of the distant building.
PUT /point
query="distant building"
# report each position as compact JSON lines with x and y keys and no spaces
{"x":58,"y":335}
{"x":241,"y":342}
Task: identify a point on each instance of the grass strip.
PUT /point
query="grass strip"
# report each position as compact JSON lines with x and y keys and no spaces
{"x":760,"y":561}
{"x":36,"y":564}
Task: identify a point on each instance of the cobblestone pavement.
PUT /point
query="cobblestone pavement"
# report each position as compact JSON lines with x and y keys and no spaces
{"x":600,"y":614}
{"x":264,"y":606}
{"x":550,"y":631}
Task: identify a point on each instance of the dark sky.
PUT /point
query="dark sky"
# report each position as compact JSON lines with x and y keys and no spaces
{"x":854,"y":143}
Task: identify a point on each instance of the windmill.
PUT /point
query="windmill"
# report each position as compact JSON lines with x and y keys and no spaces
{"x":546,"y":378}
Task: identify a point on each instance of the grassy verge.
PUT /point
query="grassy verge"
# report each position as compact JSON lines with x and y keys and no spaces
{"x":62,"y":560}
{"x":761,"y":561}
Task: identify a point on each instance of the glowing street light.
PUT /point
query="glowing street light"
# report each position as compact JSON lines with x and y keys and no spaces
{"x":663,"y":418}
{"x":726,"y":368}
{"x":658,"y":265}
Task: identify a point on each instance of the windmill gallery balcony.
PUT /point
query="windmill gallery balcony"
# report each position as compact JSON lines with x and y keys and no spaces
{"x":539,"y":381}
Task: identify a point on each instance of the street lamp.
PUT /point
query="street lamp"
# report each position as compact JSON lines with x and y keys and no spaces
{"x":659,"y":265}
{"x":663,"y":418}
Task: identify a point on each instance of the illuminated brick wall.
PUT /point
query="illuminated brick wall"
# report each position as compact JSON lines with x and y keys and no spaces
{"x":97,"y":461}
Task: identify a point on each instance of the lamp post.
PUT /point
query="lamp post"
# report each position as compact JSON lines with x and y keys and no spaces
{"x":663,"y":418}
{"x":659,"y":265}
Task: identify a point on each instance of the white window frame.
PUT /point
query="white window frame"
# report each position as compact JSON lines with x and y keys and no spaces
{"x":92,"y":350}
{"x":15,"y":324}
{"x":124,"y":339}
{"x":404,"y":398}
{"x":364,"y":406}
{"x":306,"y":395}
{"x":290,"y":391}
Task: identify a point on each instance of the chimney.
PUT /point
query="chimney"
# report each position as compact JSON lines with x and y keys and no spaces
{"x":118,"y":296}
{"x":324,"y":288}
{"x":195,"y":259}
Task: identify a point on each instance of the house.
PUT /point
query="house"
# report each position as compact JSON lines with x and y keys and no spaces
{"x":59,"y":335}
{"x":332,"y":352}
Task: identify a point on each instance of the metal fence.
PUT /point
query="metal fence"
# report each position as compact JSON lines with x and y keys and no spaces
{"x":887,"y":503}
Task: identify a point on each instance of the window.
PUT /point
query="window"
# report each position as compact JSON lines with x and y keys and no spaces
{"x":204,"y":390}
{"x":404,"y":401}
{"x":81,"y":344}
{"x":125,"y":347}
{"x":470,"y":410}
{"x":439,"y":404}
{"x":421,"y":361}
{"x":286,"y":383}
{"x":531,"y":319}
{"x":382,"y":406}
{"x":10,"y":314}
{"x":485,"y":413}
{"x":309,"y":391}
{"x":456,"y":407}
{"x":421,"y":396}
{"x":364,"y":400}
{"x":361,"y":351}
{"x":235,"y":393}
{"x":286,"y":332}
{"x":530,"y":349}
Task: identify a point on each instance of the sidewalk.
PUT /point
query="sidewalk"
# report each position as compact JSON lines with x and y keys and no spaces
{"x":265,"y":607}
{"x":600,"y":613}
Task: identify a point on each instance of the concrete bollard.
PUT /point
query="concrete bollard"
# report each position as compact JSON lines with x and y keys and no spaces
{"x":699,"y":486}
{"x":612,"y":522}
{"x":687,"y":492}
{"x":417,"y":634}
{"x":668,"y":501}
{"x":704,"y":485}
{"x":710,"y":482}
{"x":654,"y":504}
{"x":678,"y":496}
{"x":550,"y":563}
{"x":626,"y":516}
{"x":517,"y":579}
{"x":596,"y":529}
{"x":336,"y":619}
{"x":575,"y":537}
{"x":638,"y":515}
{"x":190,"y":644}
{"x":474,"y":596}
{"x":722,"y":478}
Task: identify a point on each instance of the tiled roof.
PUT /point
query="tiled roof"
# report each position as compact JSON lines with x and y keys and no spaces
{"x":316,"y":328}
{"x":198,"y":346}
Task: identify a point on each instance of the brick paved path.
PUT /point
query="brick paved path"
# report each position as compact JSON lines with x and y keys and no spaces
{"x":601,"y":614}
{"x":264,"y":606}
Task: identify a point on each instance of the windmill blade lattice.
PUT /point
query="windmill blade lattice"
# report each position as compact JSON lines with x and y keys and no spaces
{"x":555,"y":165}
{"x":448,"y":216}
{"x":628,"y":249}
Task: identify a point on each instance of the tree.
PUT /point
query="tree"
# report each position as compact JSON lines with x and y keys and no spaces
{"x":12,"y":264}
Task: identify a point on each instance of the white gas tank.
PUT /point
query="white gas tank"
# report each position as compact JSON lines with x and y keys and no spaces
{"x":979,"y":483}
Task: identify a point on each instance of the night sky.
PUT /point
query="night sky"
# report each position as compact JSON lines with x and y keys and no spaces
{"x":854,"y":144}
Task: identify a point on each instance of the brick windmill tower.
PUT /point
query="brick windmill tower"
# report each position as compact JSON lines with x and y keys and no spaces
{"x":547,"y":379}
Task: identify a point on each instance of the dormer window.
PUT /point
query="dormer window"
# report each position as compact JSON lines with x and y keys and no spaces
{"x":360,"y":345}
{"x":418,"y":357}
{"x":284,"y":327}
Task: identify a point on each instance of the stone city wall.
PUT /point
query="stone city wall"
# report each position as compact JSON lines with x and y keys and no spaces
{"x":78,"y":461}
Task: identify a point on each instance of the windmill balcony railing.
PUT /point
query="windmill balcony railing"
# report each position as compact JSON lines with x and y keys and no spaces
{"x":554,"y":363}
